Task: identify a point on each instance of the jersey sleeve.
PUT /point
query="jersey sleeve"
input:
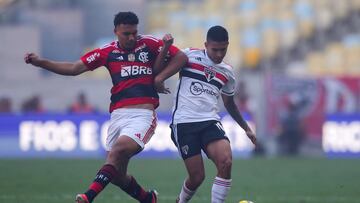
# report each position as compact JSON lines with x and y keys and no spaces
{"x":229,"y":88}
{"x":186,"y":51}
{"x":94,"y":58}
{"x":173,"y":50}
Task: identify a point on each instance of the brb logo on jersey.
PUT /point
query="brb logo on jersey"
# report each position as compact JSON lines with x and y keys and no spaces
{"x":209,"y":73}
{"x":93,"y":57}
{"x":197,"y":88}
{"x":127,"y":71}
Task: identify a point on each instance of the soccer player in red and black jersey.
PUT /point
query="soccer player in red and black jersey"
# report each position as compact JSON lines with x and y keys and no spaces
{"x":132,"y":62}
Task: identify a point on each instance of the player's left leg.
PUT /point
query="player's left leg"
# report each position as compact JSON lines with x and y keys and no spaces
{"x":196,"y":175}
{"x":219,"y":151}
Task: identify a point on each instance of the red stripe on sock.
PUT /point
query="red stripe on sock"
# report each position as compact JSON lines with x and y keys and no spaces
{"x":224,"y":183}
{"x":97,"y":187}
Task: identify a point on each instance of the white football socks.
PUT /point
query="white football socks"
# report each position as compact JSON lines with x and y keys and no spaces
{"x":185,"y":194}
{"x":220,"y":190}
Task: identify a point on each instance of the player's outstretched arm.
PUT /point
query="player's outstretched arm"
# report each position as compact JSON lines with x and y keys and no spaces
{"x":235,"y":114}
{"x":62,"y":68}
{"x":159,"y":64}
{"x":175,"y":64}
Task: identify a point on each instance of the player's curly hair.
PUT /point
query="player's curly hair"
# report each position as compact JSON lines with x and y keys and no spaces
{"x":128,"y":18}
{"x":218,"y":34}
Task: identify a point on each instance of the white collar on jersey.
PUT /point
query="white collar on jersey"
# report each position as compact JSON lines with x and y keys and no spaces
{"x":213,"y":63}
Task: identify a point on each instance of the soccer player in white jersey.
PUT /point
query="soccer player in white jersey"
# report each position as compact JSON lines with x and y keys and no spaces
{"x":195,"y":121}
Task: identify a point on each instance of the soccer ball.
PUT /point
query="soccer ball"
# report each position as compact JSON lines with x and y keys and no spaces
{"x":245,"y":201}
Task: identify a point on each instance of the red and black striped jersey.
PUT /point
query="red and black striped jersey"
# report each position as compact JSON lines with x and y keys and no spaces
{"x":131,"y":70}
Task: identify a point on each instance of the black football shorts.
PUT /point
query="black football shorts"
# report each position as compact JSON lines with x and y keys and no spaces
{"x":191,"y":138}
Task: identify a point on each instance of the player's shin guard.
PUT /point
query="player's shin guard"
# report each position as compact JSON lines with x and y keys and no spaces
{"x":185,"y":194}
{"x":220,"y":190}
{"x":103,"y":178}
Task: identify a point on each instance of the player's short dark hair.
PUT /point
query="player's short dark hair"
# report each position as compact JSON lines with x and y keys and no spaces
{"x":128,"y":18}
{"x":218,"y":34}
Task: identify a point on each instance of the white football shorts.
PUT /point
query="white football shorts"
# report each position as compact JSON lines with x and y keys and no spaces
{"x":138,"y":124}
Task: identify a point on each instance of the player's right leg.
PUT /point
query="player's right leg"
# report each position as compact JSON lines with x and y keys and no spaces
{"x":196,"y":175}
{"x":137,"y":129}
{"x":185,"y":138}
{"x":124,"y":149}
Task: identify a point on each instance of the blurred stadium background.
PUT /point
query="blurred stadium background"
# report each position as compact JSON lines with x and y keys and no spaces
{"x":298,"y":69}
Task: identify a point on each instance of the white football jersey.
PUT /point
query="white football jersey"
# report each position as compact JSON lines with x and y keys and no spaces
{"x":200,"y":86}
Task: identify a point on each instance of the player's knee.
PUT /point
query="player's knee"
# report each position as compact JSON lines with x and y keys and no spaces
{"x":123,"y":151}
{"x":118,"y":154}
{"x":225,"y":164}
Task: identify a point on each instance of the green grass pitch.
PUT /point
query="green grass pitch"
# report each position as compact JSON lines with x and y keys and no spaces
{"x":278,"y":180}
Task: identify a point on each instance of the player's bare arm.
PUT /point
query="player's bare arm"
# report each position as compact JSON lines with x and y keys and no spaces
{"x":175,"y":64}
{"x":235,"y":114}
{"x":159,"y":64}
{"x":62,"y":68}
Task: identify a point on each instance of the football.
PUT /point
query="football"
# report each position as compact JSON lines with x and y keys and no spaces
{"x":245,"y":201}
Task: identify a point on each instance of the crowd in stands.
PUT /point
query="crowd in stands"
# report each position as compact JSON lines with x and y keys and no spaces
{"x":34,"y":104}
{"x":271,"y":34}
{"x":5,"y":105}
{"x":81,"y":105}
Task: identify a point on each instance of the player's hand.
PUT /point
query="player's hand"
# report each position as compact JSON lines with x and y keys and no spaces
{"x":251,"y":136}
{"x":32,"y":58}
{"x":160,"y":87}
{"x":168,"y":40}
